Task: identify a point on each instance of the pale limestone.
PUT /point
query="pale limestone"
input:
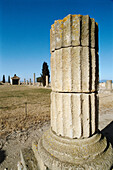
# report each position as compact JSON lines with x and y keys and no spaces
{"x":30,"y":81}
{"x":58,"y":34}
{"x":109,"y":84}
{"x":85,"y":31}
{"x":73,"y":69}
{"x":47,"y":84}
{"x":74,"y":30}
{"x":59,"y":153}
{"x":85,"y":70}
{"x":66,"y":27}
{"x":93,"y":32}
{"x":74,"y":141}
{"x":53,"y":70}
{"x":26,"y":82}
{"x":52,"y":38}
{"x":75,"y":34}
{"x":74,"y":115}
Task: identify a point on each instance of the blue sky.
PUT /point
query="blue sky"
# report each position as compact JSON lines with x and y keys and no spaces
{"x":25,"y":33}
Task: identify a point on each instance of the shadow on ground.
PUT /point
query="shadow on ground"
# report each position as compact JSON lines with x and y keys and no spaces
{"x":2,"y":156}
{"x":108,"y":132}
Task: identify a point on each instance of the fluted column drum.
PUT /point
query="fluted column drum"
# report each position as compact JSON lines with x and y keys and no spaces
{"x":73,"y":141}
{"x":74,"y":76}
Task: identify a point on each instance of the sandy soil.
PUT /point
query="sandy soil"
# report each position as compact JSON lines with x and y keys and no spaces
{"x":21,"y":123}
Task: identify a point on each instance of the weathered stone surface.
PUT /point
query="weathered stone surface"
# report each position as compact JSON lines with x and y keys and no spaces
{"x":75,"y":34}
{"x":58,"y":34}
{"x":85,"y":70}
{"x":96,"y":37}
{"x":85,"y":31}
{"x":109,"y":84}
{"x":74,"y":115}
{"x":52,"y":38}
{"x":40,"y":164}
{"x":73,"y":69}
{"x":93,"y":153}
{"x":66,"y":29}
{"x":74,"y":30}
{"x":28,"y":160}
{"x":93,"y":31}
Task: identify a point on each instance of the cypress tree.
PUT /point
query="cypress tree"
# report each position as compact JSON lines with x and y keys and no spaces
{"x":3,"y":78}
{"x":45,"y":72}
{"x":8,"y":79}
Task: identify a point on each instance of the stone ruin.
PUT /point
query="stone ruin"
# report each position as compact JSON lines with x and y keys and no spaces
{"x":34,"y":79}
{"x":47,"y":82}
{"x":73,"y":140}
{"x":106,"y":87}
{"x":109,"y":85}
{"x":30,"y":81}
{"x":24,"y":81}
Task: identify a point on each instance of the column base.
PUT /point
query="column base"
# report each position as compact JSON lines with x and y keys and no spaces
{"x":58,"y":153}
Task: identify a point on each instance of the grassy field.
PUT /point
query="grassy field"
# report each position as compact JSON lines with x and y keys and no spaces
{"x":22,"y":107}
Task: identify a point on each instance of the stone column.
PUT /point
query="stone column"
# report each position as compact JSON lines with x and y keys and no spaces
{"x":11,"y":81}
{"x":24,"y":81}
{"x":19,"y":81}
{"x":30,"y":81}
{"x":109,"y":85}
{"x":47,"y":83}
{"x":34,"y":79}
{"x":73,"y":141}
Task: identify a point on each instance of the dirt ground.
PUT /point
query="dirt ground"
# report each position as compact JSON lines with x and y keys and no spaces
{"x":25,"y":115}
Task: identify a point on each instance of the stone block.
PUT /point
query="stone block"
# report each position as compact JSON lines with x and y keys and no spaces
{"x":94,"y":70}
{"x":96,"y":37}
{"x":73,"y":69}
{"x":66,"y":29}
{"x":61,"y":153}
{"x":53,"y":69}
{"x":28,"y":160}
{"x":74,"y":30}
{"x":92,"y":38}
{"x":74,"y":115}
{"x":52,"y":38}
{"x":109,"y":84}
{"x":85,"y":70}
{"x":58,"y":34}
{"x":85,"y":31}
{"x":75,"y":33}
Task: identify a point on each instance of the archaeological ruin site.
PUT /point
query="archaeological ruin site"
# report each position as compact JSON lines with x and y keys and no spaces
{"x":73,"y":141}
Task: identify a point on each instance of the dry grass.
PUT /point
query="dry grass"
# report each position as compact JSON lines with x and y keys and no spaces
{"x":22,"y":107}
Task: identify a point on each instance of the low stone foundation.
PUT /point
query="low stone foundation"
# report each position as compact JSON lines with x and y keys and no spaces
{"x":58,"y":153}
